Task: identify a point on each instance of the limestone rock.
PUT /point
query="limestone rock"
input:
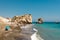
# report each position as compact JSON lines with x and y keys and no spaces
{"x":3,"y":20}
{"x":40,"y":20}
{"x":8,"y":19}
{"x":25,"y":19}
{"x":6,"y":24}
{"x":15,"y":27}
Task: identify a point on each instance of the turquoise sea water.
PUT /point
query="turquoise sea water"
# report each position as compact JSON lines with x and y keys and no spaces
{"x":48,"y":30}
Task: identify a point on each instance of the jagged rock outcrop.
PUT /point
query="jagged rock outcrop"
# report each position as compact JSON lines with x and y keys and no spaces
{"x":14,"y":33}
{"x":15,"y":22}
{"x":25,"y":19}
{"x":6,"y":24}
{"x":40,"y":20}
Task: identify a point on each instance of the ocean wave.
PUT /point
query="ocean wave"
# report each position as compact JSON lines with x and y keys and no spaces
{"x":36,"y":36}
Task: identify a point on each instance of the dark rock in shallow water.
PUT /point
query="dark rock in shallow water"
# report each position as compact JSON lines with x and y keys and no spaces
{"x":40,"y":20}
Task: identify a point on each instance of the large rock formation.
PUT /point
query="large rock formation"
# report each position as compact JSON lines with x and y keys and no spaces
{"x":6,"y":24}
{"x":15,"y":22}
{"x":10,"y":28}
{"x":8,"y":34}
{"x":40,"y":20}
{"x":25,"y":19}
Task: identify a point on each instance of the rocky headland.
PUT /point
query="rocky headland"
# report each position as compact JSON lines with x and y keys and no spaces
{"x":17,"y":28}
{"x":11,"y":28}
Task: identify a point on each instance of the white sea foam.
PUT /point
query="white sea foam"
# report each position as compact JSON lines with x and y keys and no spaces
{"x":35,"y":36}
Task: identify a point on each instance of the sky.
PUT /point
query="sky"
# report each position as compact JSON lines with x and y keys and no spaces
{"x":49,"y":10}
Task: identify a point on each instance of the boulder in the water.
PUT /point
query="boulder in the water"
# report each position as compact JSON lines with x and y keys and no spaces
{"x":40,"y":20}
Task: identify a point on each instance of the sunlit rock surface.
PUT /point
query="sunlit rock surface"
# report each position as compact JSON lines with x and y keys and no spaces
{"x":25,"y":19}
{"x":3,"y":20}
{"x":15,"y":23}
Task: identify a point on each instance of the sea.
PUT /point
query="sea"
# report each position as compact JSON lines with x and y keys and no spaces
{"x":48,"y":30}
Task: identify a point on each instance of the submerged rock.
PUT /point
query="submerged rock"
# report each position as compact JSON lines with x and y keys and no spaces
{"x":40,"y":20}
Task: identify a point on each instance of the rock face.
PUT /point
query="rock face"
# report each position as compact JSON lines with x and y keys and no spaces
{"x":15,"y":22}
{"x":10,"y":28}
{"x":40,"y":20}
{"x":25,"y":19}
{"x":3,"y":20}
{"x":5,"y":24}
{"x":9,"y":19}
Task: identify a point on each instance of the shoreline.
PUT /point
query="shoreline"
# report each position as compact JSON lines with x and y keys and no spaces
{"x":27,"y":33}
{"x":31,"y":32}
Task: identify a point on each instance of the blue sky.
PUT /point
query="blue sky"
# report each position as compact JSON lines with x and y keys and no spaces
{"x":49,"y":10}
